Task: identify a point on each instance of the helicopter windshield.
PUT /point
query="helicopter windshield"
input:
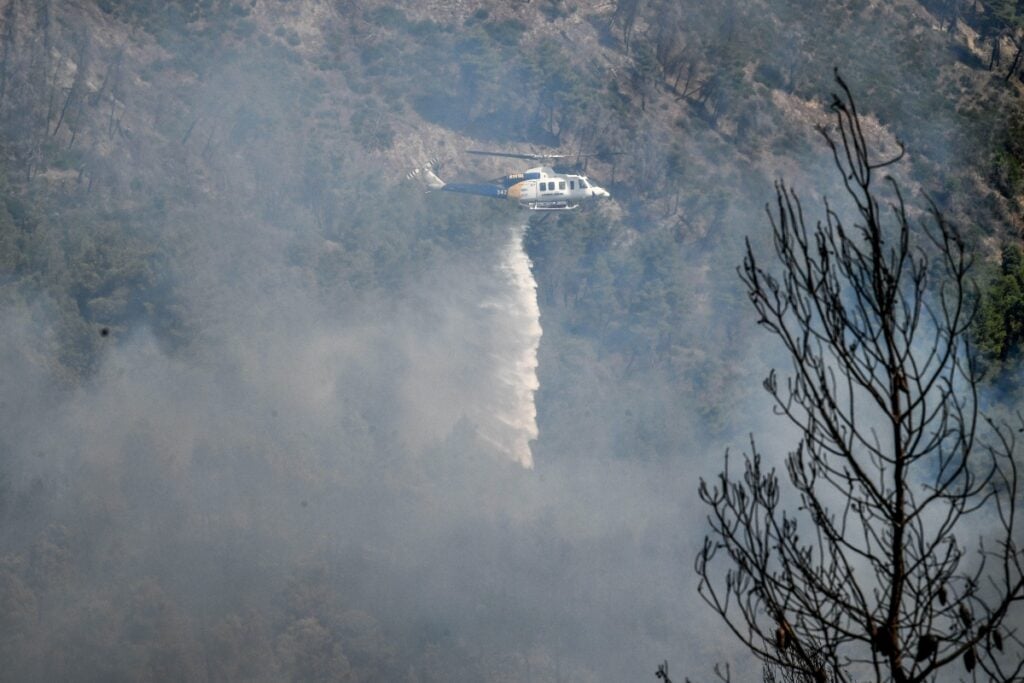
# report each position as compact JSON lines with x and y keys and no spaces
{"x":584,"y":183}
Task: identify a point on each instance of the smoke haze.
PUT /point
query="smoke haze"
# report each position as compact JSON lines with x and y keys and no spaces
{"x":386,"y":449}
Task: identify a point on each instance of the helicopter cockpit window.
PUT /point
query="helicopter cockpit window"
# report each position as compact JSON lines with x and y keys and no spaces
{"x":572,"y":184}
{"x":584,"y":183}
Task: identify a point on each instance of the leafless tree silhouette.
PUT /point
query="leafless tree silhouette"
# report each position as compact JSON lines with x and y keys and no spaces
{"x":867,"y":571}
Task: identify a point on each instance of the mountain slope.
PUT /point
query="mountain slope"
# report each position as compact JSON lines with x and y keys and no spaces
{"x":241,"y":351}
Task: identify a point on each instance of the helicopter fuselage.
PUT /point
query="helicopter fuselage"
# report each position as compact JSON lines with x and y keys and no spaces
{"x":542,"y":189}
{"x":538,"y":189}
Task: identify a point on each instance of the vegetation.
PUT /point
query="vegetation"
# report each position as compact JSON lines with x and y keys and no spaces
{"x":1000,"y":325}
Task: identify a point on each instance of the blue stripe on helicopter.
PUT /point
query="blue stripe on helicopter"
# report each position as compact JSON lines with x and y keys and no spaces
{"x":482,"y":189}
{"x":535,"y":175}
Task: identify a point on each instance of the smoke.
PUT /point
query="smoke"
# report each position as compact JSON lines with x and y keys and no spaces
{"x":386,"y":442}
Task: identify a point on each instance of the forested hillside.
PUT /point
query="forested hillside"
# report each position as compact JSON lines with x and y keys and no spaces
{"x":241,"y":350}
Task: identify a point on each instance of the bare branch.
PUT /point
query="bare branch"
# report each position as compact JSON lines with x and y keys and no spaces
{"x":867,"y":575}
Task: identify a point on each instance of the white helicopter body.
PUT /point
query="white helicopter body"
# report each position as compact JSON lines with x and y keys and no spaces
{"x":537,"y":189}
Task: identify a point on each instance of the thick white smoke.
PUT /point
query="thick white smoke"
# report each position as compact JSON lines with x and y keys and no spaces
{"x":512,"y":314}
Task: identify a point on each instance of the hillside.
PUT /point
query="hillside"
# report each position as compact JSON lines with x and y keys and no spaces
{"x":245,"y":360}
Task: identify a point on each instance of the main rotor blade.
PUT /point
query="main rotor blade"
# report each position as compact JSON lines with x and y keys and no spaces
{"x":515,"y":155}
{"x":541,"y":157}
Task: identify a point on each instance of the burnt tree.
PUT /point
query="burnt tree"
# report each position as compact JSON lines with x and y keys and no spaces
{"x":895,"y":551}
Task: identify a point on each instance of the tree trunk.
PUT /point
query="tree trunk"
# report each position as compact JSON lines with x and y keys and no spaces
{"x":1016,"y":60}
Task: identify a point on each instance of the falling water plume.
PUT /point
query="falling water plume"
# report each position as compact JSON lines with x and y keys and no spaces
{"x":510,"y":423}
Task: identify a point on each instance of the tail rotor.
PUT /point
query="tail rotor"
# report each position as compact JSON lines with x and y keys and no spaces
{"x":426,"y":176}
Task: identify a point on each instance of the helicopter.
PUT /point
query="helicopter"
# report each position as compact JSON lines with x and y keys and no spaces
{"x":538,"y":189}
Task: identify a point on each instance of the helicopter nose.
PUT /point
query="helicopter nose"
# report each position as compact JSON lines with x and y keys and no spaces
{"x":601,"y":192}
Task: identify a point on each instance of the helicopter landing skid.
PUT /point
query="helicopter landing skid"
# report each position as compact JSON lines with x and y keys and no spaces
{"x":552,"y":206}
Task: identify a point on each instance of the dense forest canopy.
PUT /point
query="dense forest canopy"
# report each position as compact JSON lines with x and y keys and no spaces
{"x":241,"y":351}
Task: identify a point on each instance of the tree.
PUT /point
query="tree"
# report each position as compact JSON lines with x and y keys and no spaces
{"x":1005,"y":18}
{"x":862,"y":572}
{"x":625,"y":16}
{"x":999,"y":329}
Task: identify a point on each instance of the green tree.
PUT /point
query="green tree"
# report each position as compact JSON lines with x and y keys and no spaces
{"x":999,"y":329}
